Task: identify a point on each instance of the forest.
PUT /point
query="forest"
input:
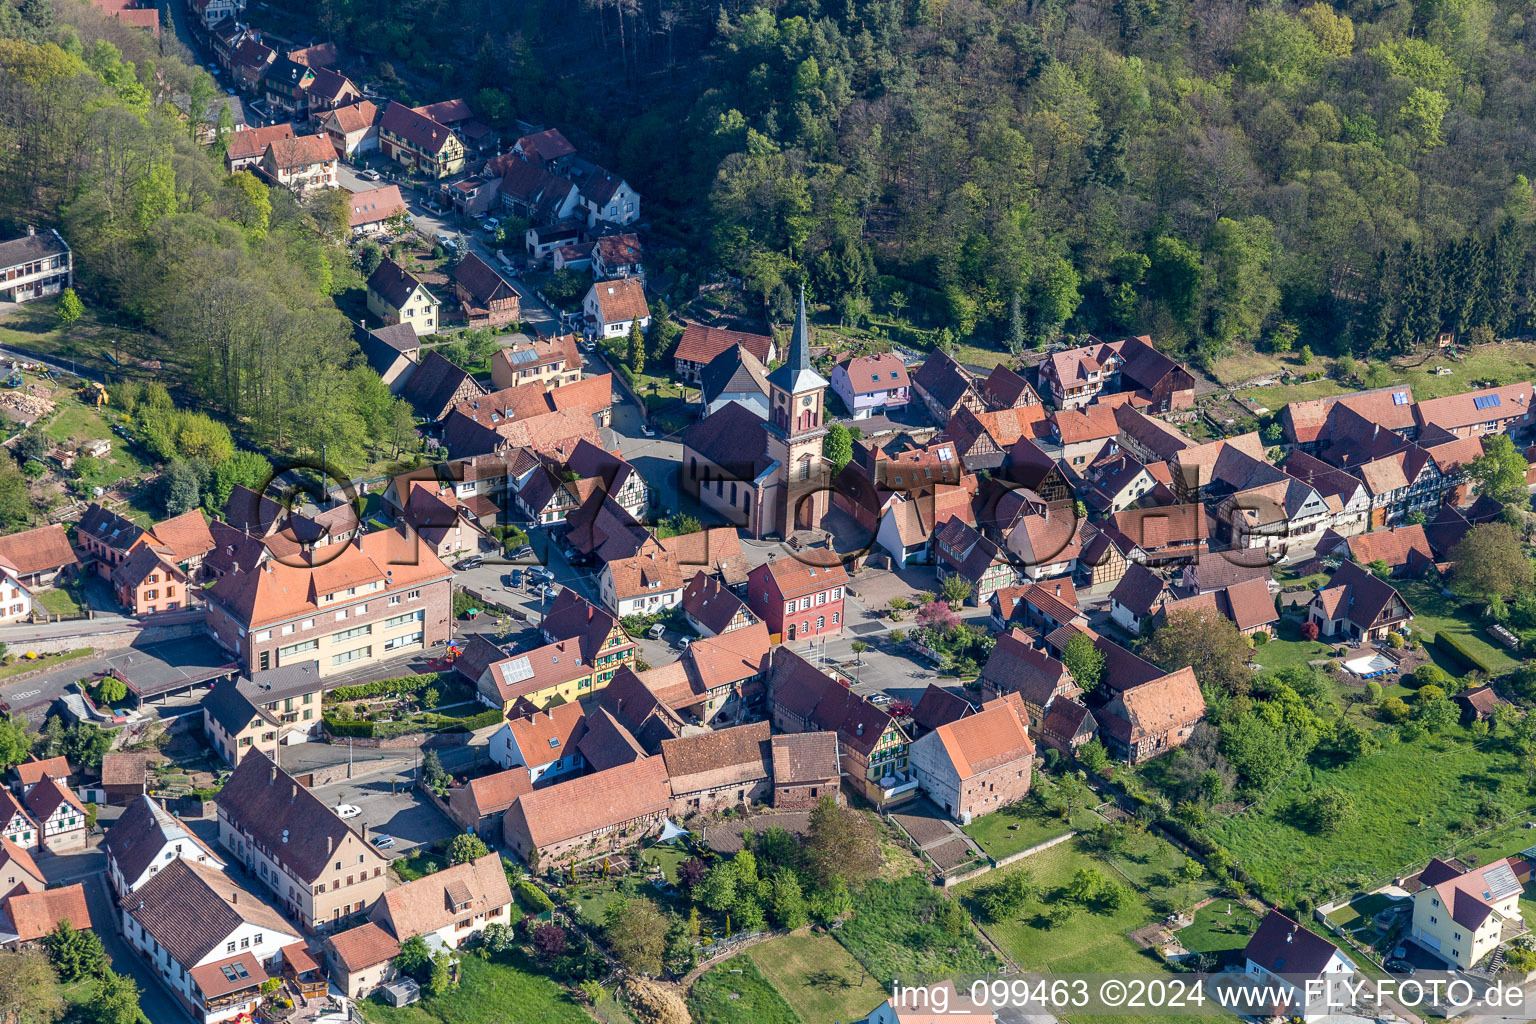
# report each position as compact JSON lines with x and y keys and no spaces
{"x":235,"y":280}
{"x":1351,"y":176}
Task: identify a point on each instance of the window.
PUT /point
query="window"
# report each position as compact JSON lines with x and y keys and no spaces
{"x":245,"y":943}
{"x":287,"y":629}
{"x":394,"y":600}
{"x":341,"y":614}
{"x":347,"y":657}
{"x":348,"y":634}
{"x":407,"y":640}
{"x":265,"y":634}
{"x":284,"y":653}
{"x":307,"y":624}
{"x":400,"y":620}
{"x":229,"y":948}
{"x":414,"y":595}
{"x":835,"y":617}
{"x":821,"y":622}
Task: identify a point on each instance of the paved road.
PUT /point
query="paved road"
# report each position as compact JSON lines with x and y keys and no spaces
{"x":154,"y":1000}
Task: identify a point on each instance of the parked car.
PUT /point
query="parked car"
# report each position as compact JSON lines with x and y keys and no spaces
{"x":656,"y":631}
{"x":347,"y":810}
{"x":683,"y":642}
{"x":525,"y":551}
{"x":541,"y":575}
{"x":648,"y":430}
{"x":465,"y":564}
{"x":550,"y":593}
{"x":370,"y":175}
{"x":383,"y":842}
{"x":513,"y":578}
{"x":1400,"y":967}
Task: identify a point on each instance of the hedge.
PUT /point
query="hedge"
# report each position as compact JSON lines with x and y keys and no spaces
{"x":533,"y":897}
{"x":385,"y":687}
{"x":355,"y":728}
{"x":488,"y":717}
{"x":1452,"y":647}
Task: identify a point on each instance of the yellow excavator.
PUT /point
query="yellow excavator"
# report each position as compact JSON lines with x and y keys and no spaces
{"x":95,"y":393}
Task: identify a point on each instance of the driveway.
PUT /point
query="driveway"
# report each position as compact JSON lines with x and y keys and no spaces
{"x":391,"y":806}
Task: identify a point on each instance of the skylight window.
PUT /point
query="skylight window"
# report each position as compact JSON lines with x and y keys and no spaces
{"x":1399,"y":398}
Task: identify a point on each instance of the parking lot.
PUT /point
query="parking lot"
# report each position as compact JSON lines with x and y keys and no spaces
{"x":390,"y":806}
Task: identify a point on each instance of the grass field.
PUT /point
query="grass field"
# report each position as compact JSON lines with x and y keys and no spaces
{"x":46,"y":661}
{"x":1090,"y":941}
{"x":820,"y":980}
{"x":1216,"y":931}
{"x":36,"y":328}
{"x":1288,"y":649}
{"x":59,"y":602}
{"x":1411,"y":801}
{"x":75,"y":422}
{"x":1434,"y":613}
{"x":894,"y":931}
{"x":735,"y":992}
{"x":489,"y":992}
{"x":419,"y":863}
{"x":1024,"y":824}
{"x":1507,"y":362}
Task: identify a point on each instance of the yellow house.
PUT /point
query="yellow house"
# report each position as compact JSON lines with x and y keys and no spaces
{"x":1465,"y":915}
{"x":417,"y":141}
{"x":545,"y":677}
{"x":397,"y":297}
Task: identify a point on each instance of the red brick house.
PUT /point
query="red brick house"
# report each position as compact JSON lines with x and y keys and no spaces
{"x":978,"y":764}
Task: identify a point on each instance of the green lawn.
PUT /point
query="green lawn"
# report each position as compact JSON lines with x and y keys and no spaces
{"x":59,"y":602}
{"x":1090,"y":941}
{"x":75,"y":422}
{"x":669,"y":856}
{"x":1434,"y":613}
{"x":47,"y":661}
{"x":1288,"y":648}
{"x":1024,"y":824}
{"x":1358,"y":912}
{"x":505,"y":990}
{"x":419,"y":863}
{"x":735,"y":992}
{"x":820,"y":980}
{"x":1507,"y":362}
{"x":1411,"y":801}
{"x":1216,"y":931}
{"x":894,"y":931}
{"x":36,"y":328}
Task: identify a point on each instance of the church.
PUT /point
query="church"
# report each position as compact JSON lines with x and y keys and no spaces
{"x":768,"y":478}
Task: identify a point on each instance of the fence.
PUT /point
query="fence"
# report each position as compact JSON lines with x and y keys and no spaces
{"x":1012,"y":858}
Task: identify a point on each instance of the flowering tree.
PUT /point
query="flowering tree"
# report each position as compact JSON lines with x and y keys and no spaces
{"x":938,"y":616}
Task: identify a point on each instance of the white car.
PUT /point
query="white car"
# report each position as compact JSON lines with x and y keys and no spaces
{"x":346,"y":810}
{"x":647,"y":430}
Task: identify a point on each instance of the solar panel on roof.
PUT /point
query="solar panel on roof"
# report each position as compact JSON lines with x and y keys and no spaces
{"x":526,"y":355}
{"x":1486,"y":401}
{"x":1399,"y":398}
{"x":1500,"y":880}
{"x":518,"y":670}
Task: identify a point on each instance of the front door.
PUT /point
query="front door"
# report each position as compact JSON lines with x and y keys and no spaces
{"x":790,"y":634}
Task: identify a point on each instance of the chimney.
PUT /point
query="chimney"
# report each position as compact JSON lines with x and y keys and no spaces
{"x":1058,"y":590}
{"x":234,"y":896}
{"x":272,"y":778}
{"x":329,"y":843}
{"x":293,"y":794}
{"x":31,"y":230}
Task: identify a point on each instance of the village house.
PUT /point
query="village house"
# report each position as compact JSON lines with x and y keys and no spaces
{"x":34,"y":770}
{"x":35,"y":265}
{"x":963,"y":552}
{"x":1149,"y":718}
{"x":1138,"y":595}
{"x":477,"y":805}
{"x":946,"y":387}
{"x":1018,"y":668}
{"x":212,"y":944}
{"x":783,"y":590}
{"x":359,"y":960}
{"x":473,"y":196}
{"x":1111,"y":482}
{"x":718,"y":679}
{"x":700,"y":344}
{"x":975,"y":765}
{"x":983,"y":440}
{"x":285,"y":87}
{"x":551,"y":361}
{"x":1067,"y":726}
{"x":374,"y":210}
{"x":437,"y":386}
{"x":1463,"y":915}
{"x":418,"y":143}
{"x":392,"y":351}
{"x":443,"y":523}
{"x":806,"y":770}
{"x":600,"y":636}
{"x":489,"y":300}
{"x":871,"y":385}
{"x":29,"y":917}
{"x":605,"y":198}
{"x":734,"y":375}
{"x":1500,"y":410}
{"x":1356,"y":605}
{"x":207,"y":14}
{"x":1041,"y":607}
{"x":612,"y":306}
{"x":249,"y":61}
{"x":145,"y":840}
{"x":353,"y":129}
{"x":148,"y":581}
{"x":710,"y":609}
{"x":37,"y":557}
{"x":304,"y":163}
{"x":15,"y":826}
{"x":545,"y":742}
{"x":245,"y":147}
{"x":646,"y":582}
{"x":937,"y":706}
{"x":18,"y":871}
{"x":383,"y":596}
{"x":588,"y":816}
{"x":1003,"y":389}
{"x":320,"y":871}
{"x":1045,"y":546}
{"x":872,"y":747}
{"x":281,"y":705}
{"x":59,"y":814}
{"x":327,"y":91}
{"x":1405,"y":550}
{"x":1083,"y":434}
{"x":1287,"y":958}
{"x":1077,"y":376}
{"x":720,"y":769}
{"x":1248,"y":605}
{"x":16,"y":599}
{"x":124,"y":777}
{"x":617,"y":256}
{"x":449,"y":907}
{"x":396,"y":296}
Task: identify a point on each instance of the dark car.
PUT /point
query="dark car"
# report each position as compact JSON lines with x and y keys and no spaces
{"x":1400,"y":967}
{"x":472,"y":562}
{"x":523,"y":552}
{"x":513,"y":578}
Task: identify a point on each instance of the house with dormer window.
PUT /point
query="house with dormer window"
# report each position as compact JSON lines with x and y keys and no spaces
{"x":545,"y":742}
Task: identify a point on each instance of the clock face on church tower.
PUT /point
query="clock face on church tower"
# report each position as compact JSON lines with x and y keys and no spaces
{"x":806,"y":401}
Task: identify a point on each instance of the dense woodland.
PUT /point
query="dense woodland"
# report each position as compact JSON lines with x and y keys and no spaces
{"x":1351,"y":176}
{"x":237,"y":280}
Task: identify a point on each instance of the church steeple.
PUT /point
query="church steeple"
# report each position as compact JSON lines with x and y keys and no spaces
{"x":797,"y":376}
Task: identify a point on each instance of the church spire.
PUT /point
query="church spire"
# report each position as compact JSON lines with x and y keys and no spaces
{"x":800,"y":341}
